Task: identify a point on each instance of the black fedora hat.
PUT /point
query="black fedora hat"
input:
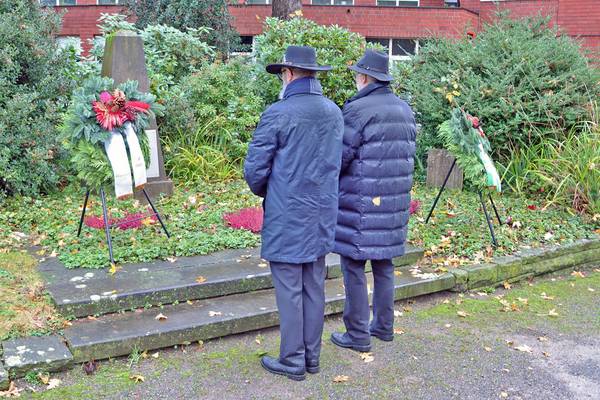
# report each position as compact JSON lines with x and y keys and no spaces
{"x":303,"y":57}
{"x":375,"y":64}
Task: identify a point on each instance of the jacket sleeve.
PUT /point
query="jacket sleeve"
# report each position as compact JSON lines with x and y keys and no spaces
{"x":261,"y":153}
{"x":352,"y":137}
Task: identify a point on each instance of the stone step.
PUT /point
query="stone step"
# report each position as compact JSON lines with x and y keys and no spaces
{"x":83,"y":292}
{"x":118,"y":334}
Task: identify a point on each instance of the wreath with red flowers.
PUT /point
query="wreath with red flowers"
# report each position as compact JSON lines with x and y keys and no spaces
{"x":97,"y":108}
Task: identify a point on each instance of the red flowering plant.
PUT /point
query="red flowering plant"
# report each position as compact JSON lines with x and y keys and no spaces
{"x":98,"y":108}
{"x":250,"y":219}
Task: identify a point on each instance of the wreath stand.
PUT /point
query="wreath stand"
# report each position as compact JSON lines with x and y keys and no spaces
{"x":481,"y":200}
{"x":107,"y":226}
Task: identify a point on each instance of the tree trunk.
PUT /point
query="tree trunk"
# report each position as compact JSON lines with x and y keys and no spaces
{"x":283,"y":8}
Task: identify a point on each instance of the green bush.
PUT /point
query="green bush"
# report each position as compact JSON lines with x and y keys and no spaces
{"x":523,"y":81}
{"x":187,"y":15}
{"x":216,"y":108}
{"x":335,"y":46}
{"x":34,"y":91}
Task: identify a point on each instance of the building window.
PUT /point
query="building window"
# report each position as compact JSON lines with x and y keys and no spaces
{"x":58,"y":2}
{"x":258,"y":1}
{"x":246,"y":46}
{"x":108,"y":2}
{"x":398,"y":3}
{"x":332,"y":2}
{"x":398,"y":49}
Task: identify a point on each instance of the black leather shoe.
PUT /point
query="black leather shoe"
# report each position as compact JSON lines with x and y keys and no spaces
{"x":342,"y":340}
{"x":274,"y":366}
{"x":385,"y":338}
{"x":312,"y":367}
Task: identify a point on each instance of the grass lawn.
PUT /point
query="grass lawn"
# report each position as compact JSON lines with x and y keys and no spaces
{"x":457,"y":233}
{"x":24,"y":307}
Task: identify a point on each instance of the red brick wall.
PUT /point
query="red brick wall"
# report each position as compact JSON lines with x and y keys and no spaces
{"x":578,"y":18}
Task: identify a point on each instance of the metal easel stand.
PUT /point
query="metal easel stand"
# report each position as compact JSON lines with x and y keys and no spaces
{"x":107,"y":226}
{"x":481,"y":200}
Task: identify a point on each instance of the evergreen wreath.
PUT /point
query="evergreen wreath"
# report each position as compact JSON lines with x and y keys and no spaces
{"x":98,"y":107}
{"x":462,"y":135}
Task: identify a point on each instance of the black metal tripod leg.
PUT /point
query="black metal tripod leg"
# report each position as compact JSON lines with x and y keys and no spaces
{"x":440,"y":192}
{"x":495,"y":209}
{"x":106,"y":226}
{"x":87,"y":196}
{"x":156,"y":213}
{"x":489,"y":222}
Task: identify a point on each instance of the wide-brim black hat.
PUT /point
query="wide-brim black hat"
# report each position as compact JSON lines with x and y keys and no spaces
{"x":302,"y":57}
{"x":374,"y":64}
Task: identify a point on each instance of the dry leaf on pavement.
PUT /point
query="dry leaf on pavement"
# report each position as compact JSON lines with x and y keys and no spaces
{"x":53,"y":383}
{"x":367,"y":357}
{"x":462,"y":314}
{"x":341,"y":378}
{"x":200,"y":279}
{"x":524,"y":348}
{"x":137,"y":378}
{"x":160,"y":317}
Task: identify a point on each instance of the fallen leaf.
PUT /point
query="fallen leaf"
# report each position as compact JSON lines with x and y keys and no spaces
{"x":53,"y":383}
{"x":262,"y":265}
{"x":190,"y":302}
{"x":447,"y":301}
{"x":522,"y":300}
{"x":524,"y":348}
{"x":367,"y":357}
{"x":398,"y":331}
{"x":448,"y":325}
{"x":13,"y":391}
{"x":487,"y":348}
{"x":214,"y":313}
{"x":397,"y":272}
{"x":546,"y":354}
{"x":552,"y":313}
{"x":341,"y":378}
{"x":398,"y":313}
{"x":591,"y":290}
{"x":548,"y":236}
{"x":503,"y":395}
{"x":377,"y":201}
{"x":113,"y":269}
{"x":160,"y":317}
{"x":507,"y":285}
{"x":200,"y":279}
{"x":44,"y":377}
{"x":171,"y":259}
{"x":578,"y":274}
{"x":546,"y":297}
{"x":462,"y":314}
{"x":145,"y":354}
{"x":542,"y":339}
{"x":137,"y":378}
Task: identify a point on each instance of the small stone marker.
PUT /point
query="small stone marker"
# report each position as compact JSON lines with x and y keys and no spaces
{"x":439,"y":162}
{"x":4,"y":382}
{"x":124,"y":60}
{"x":44,"y":353}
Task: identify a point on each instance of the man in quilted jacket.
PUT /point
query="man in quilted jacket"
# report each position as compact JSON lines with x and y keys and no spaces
{"x":374,"y":199}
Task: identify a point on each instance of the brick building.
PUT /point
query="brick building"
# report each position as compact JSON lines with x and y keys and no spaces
{"x":399,"y":24}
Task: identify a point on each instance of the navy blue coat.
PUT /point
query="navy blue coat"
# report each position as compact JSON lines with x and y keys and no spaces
{"x":294,"y":162}
{"x":376,"y":175}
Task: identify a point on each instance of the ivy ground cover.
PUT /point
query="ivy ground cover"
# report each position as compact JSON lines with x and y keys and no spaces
{"x":200,"y":221}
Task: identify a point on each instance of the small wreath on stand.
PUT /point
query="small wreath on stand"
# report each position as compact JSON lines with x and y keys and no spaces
{"x":98,"y":109}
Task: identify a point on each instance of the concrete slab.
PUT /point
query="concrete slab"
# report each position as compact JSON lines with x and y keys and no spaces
{"x":42,"y":353}
{"x":89,"y":292}
{"x":118,"y":334}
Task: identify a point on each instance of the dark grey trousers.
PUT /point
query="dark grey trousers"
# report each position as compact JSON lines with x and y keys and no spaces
{"x":300,"y":295}
{"x":356,"y":308}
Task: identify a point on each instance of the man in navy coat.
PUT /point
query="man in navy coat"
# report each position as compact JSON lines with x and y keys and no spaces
{"x":294,"y":163}
{"x":375,"y":184}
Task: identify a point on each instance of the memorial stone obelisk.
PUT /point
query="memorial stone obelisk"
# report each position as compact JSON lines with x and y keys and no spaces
{"x":124,"y":60}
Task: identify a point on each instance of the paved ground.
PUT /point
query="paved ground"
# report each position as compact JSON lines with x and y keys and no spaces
{"x":440,"y":355}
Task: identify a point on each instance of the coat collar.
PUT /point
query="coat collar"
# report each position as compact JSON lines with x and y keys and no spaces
{"x":307,"y":85}
{"x":371,"y":88}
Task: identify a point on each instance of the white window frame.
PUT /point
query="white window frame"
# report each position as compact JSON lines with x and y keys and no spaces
{"x":57,"y":3}
{"x":262,"y":3}
{"x":116,"y":3}
{"x":398,"y":2}
{"x":396,"y":57}
{"x":332,"y":3}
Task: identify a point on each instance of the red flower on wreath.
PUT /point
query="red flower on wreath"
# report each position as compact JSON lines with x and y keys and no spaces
{"x":113,"y":109}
